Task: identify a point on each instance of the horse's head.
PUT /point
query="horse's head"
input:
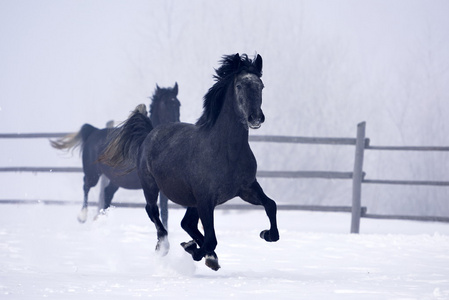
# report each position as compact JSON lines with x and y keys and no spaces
{"x":238,"y":79}
{"x":248,"y":94}
{"x":165,"y":106}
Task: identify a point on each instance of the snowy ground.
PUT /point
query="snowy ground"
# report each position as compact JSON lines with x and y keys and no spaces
{"x":45,"y":253}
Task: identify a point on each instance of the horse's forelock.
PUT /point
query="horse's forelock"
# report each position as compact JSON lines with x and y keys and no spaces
{"x":234,"y":64}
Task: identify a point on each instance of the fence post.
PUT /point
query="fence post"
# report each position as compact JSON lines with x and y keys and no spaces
{"x":104,"y":181}
{"x":357,"y":177}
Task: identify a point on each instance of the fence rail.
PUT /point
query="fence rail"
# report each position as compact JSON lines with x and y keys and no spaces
{"x":357,"y":175}
{"x":302,"y":140}
{"x":42,"y":169}
{"x":407,"y":148}
{"x":32,"y":135}
{"x":407,"y":182}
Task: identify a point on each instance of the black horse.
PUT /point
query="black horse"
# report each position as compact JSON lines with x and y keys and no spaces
{"x":164,"y":109}
{"x":203,"y":165}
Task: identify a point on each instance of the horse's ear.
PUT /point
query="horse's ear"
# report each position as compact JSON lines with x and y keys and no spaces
{"x":175,"y":88}
{"x":258,"y":63}
{"x":157,"y":87}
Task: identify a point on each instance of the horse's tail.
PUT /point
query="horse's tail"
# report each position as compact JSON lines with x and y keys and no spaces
{"x":74,"y":140}
{"x":123,"y":150}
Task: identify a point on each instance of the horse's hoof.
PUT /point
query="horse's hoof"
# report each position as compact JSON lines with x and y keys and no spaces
{"x":82,"y":216}
{"x":265,"y":234}
{"x":101,"y":212}
{"x":162,"y":246}
{"x":212,"y":262}
{"x":190,"y":247}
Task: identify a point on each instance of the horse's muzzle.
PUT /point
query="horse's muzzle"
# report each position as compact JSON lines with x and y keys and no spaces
{"x":255,"y":121}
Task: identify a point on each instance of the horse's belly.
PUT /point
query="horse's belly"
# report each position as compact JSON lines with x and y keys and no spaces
{"x":178,"y":193}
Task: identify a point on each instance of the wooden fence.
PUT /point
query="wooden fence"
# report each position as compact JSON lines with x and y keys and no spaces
{"x":360,"y":142}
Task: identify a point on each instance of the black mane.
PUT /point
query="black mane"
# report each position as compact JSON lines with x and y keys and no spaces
{"x":213,"y":100}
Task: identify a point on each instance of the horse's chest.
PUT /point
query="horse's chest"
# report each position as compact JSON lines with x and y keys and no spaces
{"x":235,"y":174}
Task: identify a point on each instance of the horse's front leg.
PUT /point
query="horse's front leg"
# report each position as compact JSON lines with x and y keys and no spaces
{"x":255,"y":195}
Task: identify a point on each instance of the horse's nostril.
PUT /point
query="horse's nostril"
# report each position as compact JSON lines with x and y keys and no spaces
{"x":254,"y":118}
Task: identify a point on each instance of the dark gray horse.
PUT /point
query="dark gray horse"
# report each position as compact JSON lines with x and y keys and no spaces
{"x":164,"y":109}
{"x":203,"y":165}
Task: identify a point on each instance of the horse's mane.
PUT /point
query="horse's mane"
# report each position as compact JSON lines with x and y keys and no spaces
{"x":213,"y":100}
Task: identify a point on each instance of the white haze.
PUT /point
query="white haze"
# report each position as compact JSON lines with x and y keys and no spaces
{"x":328,"y":65}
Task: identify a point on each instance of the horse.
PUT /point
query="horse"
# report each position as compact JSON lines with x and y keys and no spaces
{"x":92,"y":141}
{"x":201,"y":165}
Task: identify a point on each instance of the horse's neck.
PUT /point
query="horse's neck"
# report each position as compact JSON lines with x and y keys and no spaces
{"x":228,"y":132}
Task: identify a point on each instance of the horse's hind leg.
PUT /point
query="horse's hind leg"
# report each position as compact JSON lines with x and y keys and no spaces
{"x":206,"y":214}
{"x":90,"y":180}
{"x":151,"y":192}
{"x":255,"y":195}
{"x":190,"y":224}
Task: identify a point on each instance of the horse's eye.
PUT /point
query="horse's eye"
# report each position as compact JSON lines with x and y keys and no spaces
{"x":239,"y":86}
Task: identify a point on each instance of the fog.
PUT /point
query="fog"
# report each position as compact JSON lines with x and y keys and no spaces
{"x":328,"y":65}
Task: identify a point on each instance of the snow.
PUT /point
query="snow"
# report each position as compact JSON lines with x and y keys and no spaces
{"x":46,"y":253}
